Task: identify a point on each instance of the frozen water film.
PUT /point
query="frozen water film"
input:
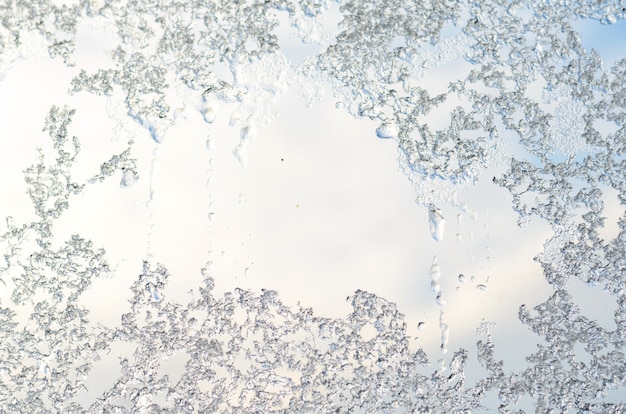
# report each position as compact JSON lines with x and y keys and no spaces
{"x":477,"y":97}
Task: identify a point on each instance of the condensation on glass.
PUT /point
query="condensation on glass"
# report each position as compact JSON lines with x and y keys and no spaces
{"x":528,"y":82}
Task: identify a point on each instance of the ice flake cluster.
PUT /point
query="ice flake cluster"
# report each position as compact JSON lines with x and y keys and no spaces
{"x":246,"y":351}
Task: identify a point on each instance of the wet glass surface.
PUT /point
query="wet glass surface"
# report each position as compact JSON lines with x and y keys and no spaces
{"x":313,"y":206}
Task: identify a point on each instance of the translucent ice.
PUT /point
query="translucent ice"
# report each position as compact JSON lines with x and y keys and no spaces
{"x":524,"y":105}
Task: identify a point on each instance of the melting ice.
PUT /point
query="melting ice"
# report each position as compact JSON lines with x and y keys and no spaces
{"x":247,"y":351}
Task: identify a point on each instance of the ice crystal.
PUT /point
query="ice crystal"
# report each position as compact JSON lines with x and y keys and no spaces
{"x":247,"y":351}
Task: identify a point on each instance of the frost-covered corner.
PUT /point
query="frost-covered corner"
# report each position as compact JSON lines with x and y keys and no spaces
{"x":247,"y":352}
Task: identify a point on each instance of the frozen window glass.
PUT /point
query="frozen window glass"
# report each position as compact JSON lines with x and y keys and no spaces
{"x":297,"y":206}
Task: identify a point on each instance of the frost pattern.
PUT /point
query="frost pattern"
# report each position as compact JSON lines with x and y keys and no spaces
{"x":247,"y":352}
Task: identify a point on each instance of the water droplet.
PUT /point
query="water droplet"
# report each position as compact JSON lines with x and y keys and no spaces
{"x":461,"y":278}
{"x":420,"y":326}
{"x":436,"y":222}
{"x":129,"y":177}
{"x":208,"y":143}
{"x":610,"y":19}
{"x":240,"y":155}
{"x":209,"y":113}
{"x":481,"y":287}
{"x":434,"y":267}
{"x":386,"y":131}
{"x":440,"y":300}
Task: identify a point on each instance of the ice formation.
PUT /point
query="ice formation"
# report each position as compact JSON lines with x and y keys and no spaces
{"x":247,"y":352}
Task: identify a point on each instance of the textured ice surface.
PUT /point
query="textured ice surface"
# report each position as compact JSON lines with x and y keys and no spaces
{"x":246,"y":351}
